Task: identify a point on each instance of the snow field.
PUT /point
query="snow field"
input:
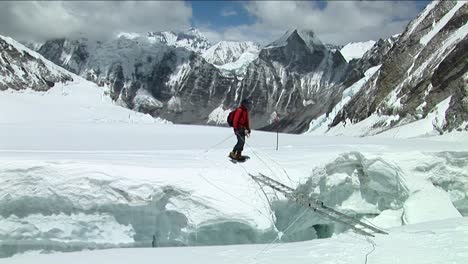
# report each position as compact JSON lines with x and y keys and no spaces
{"x":85,"y":173}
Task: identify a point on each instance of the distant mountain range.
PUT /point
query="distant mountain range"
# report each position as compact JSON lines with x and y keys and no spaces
{"x":418,"y":77}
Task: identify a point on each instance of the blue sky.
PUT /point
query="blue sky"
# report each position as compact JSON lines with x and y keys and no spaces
{"x":220,"y":14}
{"x":219,"y":17}
{"x":232,"y":13}
{"x":336,"y":22}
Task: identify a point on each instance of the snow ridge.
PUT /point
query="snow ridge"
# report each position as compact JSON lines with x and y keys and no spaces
{"x":309,"y":37}
{"x":232,"y":56}
{"x":441,"y":23}
{"x":192,"y":39}
{"x":355,"y":50}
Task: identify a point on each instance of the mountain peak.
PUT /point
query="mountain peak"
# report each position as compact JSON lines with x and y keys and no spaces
{"x":192,"y":39}
{"x":308,"y":36}
{"x":194,"y":32}
{"x":232,"y":55}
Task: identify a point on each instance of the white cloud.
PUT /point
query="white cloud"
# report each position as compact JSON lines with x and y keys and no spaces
{"x":338,"y":22}
{"x":212,"y":35}
{"x":40,"y":20}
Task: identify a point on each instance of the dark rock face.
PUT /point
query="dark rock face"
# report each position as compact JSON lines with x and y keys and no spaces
{"x":418,"y":73}
{"x":372,"y":58}
{"x":166,"y":81}
{"x":74,"y":52}
{"x":296,"y":77}
{"x":182,"y":87}
{"x":201,"y":90}
{"x":293,"y":79}
{"x":21,"y":68}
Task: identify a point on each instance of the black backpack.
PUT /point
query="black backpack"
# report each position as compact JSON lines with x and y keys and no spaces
{"x":230,"y":118}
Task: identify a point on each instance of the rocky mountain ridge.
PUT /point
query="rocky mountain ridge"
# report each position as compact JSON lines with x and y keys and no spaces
{"x":308,"y":84}
{"x":423,"y":73}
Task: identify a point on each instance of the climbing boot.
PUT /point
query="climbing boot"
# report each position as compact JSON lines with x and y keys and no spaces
{"x":239,"y":156}
{"x":233,"y":155}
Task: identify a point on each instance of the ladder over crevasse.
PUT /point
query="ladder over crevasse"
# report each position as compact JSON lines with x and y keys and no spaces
{"x":318,"y":206}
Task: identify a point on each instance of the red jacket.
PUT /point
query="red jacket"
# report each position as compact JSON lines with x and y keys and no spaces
{"x":241,"y":118}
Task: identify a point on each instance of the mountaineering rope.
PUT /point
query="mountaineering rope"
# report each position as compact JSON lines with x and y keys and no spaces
{"x":255,"y":153}
{"x":278,"y":236}
{"x":373,"y":248}
{"x":263,"y":191}
{"x":233,"y":196}
{"x":270,"y":218}
{"x":217,"y":144}
{"x":358,"y":236}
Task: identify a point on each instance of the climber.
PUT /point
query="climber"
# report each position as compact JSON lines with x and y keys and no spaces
{"x":241,"y":125}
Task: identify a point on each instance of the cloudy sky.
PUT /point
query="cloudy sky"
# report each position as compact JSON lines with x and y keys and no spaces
{"x":336,"y":22}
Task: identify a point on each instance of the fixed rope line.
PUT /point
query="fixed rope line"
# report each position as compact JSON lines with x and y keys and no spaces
{"x":269,"y":245}
{"x":217,"y":144}
{"x":260,"y":159}
{"x":255,"y":153}
{"x":222,"y":189}
{"x":318,"y":206}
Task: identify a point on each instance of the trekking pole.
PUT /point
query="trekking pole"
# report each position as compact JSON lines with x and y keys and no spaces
{"x":277,"y":138}
{"x":277,"y":132}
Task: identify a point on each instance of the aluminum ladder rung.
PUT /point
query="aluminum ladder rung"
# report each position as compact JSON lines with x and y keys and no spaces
{"x":317,"y":206}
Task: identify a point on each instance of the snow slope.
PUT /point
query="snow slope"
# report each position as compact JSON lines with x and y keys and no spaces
{"x":79,"y":101}
{"x":431,"y":242}
{"x":320,"y":125}
{"x":21,"y":68}
{"x":355,"y":50}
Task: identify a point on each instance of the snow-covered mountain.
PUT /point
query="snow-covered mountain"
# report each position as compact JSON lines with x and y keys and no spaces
{"x":355,"y":50}
{"x":34,"y":46}
{"x":232,"y":56}
{"x":29,"y":82}
{"x":192,"y":39}
{"x":308,"y":37}
{"x":225,"y":52}
{"x":183,"y":87}
{"x":422,"y":81}
{"x":21,"y":68}
{"x":333,"y":46}
{"x":296,"y":77}
{"x":146,"y":75}
{"x":292,"y":74}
